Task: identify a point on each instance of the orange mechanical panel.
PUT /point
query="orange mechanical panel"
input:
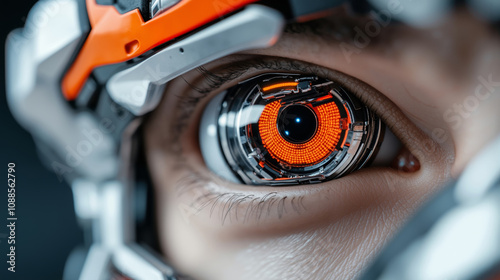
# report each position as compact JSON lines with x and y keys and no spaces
{"x":116,"y":37}
{"x":306,"y":154}
{"x":280,"y":86}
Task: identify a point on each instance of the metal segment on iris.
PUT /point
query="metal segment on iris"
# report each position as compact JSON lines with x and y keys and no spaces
{"x":283,"y":129}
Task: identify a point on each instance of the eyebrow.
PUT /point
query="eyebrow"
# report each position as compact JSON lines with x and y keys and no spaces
{"x":337,"y":28}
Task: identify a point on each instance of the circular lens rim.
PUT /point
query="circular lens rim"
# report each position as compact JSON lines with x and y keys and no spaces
{"x":358,"y":142}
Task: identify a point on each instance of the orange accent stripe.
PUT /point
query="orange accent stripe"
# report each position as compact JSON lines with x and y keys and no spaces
{"x":116,"y":38}
{"x":280,"y":85}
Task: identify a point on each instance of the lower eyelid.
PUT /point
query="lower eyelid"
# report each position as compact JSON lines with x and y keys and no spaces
{"x":214,"y":203}
{"x":212,"y":197}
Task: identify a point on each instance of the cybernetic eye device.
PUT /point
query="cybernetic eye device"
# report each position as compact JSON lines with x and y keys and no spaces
{"x":283,"y":129}
{"x":81,"y":75}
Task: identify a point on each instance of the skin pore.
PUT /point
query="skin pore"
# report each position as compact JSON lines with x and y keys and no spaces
{"x":411,"y":78}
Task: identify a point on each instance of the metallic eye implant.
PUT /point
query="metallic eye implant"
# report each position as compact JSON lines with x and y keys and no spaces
{"x":285,"y":129}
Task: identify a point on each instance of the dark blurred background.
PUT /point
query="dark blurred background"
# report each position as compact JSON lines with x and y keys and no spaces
{"x":46,"y":229}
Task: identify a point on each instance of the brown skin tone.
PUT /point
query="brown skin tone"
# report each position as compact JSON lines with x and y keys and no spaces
{"x":333,"y":229}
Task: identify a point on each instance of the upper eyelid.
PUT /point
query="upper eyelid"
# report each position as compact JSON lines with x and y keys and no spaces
{"x":239,"y":68}
{"x":215,"y":79}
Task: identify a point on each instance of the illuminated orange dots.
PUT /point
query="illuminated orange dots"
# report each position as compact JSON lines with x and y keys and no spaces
{"x":309,"y":153}
{"x":280,"y":86}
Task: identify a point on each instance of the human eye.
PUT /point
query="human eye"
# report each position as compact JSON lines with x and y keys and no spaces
{"x":283,"y":129}
{"x":200,"y":183}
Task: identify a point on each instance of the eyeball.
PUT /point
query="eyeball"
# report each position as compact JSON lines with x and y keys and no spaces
{"x":285,"y":129}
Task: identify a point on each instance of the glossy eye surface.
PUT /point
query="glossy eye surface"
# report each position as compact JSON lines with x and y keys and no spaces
{"x":283,"y":129}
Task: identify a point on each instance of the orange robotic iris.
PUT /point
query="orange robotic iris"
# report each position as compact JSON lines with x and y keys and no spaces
{"x":315,"y":150}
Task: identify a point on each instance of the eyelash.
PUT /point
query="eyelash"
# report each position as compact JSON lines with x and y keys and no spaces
{"x":258,"y":205}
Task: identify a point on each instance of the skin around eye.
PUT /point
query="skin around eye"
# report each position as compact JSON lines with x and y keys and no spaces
{"x":211,"y":213}
{"x":211,"y":229}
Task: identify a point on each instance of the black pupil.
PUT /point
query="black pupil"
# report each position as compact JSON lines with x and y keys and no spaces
{"x":297,"y":123}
